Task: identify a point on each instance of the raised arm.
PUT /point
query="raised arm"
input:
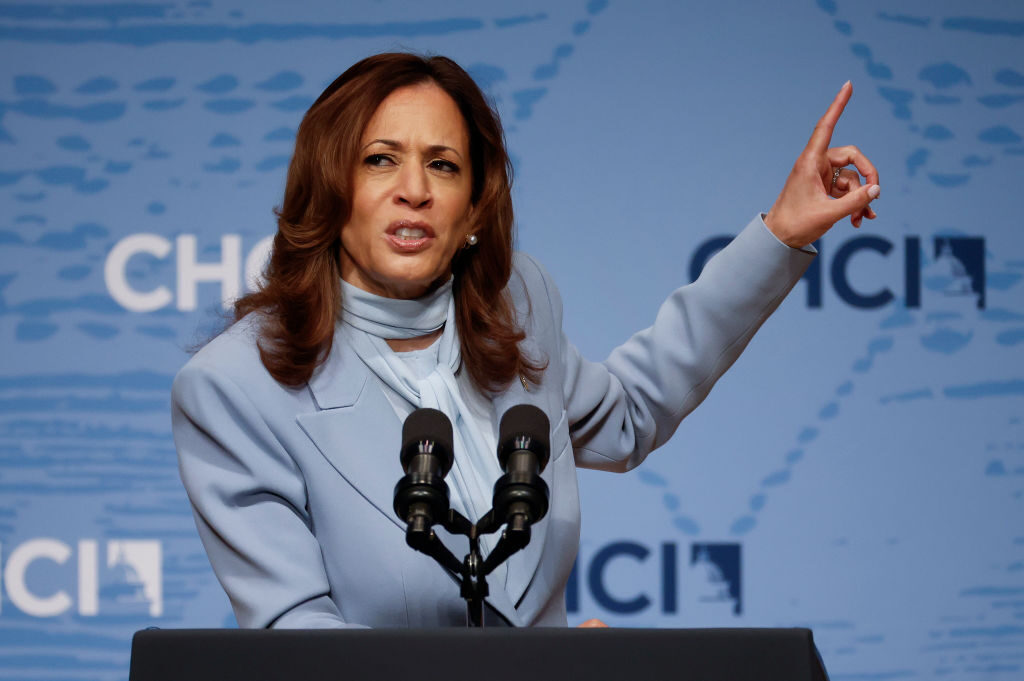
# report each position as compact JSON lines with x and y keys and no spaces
{"x":621,"y":409}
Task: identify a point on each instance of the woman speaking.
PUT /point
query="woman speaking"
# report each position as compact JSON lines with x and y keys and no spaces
{"x":393,"y":285}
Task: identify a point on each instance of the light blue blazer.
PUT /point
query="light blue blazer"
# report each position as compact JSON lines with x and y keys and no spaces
{"x":292,"y":487}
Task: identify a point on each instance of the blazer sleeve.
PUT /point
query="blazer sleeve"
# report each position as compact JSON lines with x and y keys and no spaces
{"x":249,"y":502}
{"x":621,"y":409}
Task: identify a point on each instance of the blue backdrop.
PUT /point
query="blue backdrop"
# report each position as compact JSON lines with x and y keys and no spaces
{"x":860,"y":470}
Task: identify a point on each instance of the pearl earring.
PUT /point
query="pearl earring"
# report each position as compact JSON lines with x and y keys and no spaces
{"x":471,"y":240}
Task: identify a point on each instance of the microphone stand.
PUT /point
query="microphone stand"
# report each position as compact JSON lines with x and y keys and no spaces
{"x":471,"y":573}
{"x":520,"y":496}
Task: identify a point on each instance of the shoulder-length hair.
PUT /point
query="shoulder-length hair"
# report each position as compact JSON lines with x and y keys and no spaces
{"x":301,"y":296}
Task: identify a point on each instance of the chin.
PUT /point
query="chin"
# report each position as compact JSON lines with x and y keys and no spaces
{"x":416,"y":280}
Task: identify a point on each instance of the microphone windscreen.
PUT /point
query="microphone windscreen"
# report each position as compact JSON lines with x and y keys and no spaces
{"x":429,"y":425}
{"x":525,"y":420}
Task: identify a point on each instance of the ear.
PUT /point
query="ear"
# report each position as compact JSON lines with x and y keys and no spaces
{"x":472,"y":223}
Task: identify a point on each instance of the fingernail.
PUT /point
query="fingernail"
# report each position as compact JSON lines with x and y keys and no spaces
{"x":873,"y":191}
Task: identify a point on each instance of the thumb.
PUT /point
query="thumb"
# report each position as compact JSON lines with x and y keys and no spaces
{"x":854,"y":201}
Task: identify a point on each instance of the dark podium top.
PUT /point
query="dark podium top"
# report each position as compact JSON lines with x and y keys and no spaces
{"x":477,"y":655}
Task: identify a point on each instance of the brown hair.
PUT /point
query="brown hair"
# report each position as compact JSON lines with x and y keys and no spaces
{"x":301,"y":297}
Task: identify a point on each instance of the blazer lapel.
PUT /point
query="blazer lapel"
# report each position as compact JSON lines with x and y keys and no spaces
{"x":356,"y":429}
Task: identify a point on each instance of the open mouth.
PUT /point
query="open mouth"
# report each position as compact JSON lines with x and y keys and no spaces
{"x":410,"y":233}
{"x":408,"y":230}
{"x":408,"y":236}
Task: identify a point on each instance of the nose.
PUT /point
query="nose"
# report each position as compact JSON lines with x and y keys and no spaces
{"x":413,"y":186}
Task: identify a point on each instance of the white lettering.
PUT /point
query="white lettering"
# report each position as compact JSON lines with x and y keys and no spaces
{"x":115,"y":272}
{"x":14,"y":576}
{"x":256,"y":263}
{"x":88,"y":578}
{"x":190,"y":272}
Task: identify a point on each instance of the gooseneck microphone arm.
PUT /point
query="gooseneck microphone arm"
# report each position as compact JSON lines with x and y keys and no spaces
{"x":520,"y":495}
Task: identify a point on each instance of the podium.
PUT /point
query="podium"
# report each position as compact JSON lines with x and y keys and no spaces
{"x":476,"y":655}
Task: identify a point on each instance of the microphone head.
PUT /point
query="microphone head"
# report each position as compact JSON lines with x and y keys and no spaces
{"x":524,"y":426}
{"x":428,"y":431}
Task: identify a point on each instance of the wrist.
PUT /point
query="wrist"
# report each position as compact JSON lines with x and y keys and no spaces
{"x":778,"y":230}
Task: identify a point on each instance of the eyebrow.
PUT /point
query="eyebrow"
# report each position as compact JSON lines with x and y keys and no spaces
{"x":433,"y":149}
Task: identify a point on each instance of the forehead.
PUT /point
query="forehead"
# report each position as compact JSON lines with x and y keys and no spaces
{"x":421,"y":113}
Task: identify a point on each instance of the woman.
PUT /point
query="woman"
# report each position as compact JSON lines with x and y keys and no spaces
{"x":392,"y":286}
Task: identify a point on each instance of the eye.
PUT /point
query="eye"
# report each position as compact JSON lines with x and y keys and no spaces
{"x":444,"y":166}
{"x":379,"y":160}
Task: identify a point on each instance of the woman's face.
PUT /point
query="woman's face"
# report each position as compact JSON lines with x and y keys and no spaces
{"x":411,"y":195}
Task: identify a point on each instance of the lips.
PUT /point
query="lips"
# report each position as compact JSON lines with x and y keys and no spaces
{"x":409,"y":236}
{"x":409,"y":229}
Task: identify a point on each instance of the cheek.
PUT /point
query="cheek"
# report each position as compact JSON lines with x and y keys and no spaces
{"x":461,"y":228}
{"x":360,"y":225}
{"x":366,"y":202}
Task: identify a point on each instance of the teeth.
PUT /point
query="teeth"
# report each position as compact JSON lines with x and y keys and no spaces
{"x":410,"y":233}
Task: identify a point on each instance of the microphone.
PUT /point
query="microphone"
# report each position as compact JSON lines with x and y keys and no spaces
{"x":521,"y":495}
{"x":421,"y":496}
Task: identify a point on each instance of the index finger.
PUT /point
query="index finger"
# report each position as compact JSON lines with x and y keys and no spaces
{"x":822,"y":135}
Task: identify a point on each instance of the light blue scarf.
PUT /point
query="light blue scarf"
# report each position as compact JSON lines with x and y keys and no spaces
{"x":372,"y":320}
